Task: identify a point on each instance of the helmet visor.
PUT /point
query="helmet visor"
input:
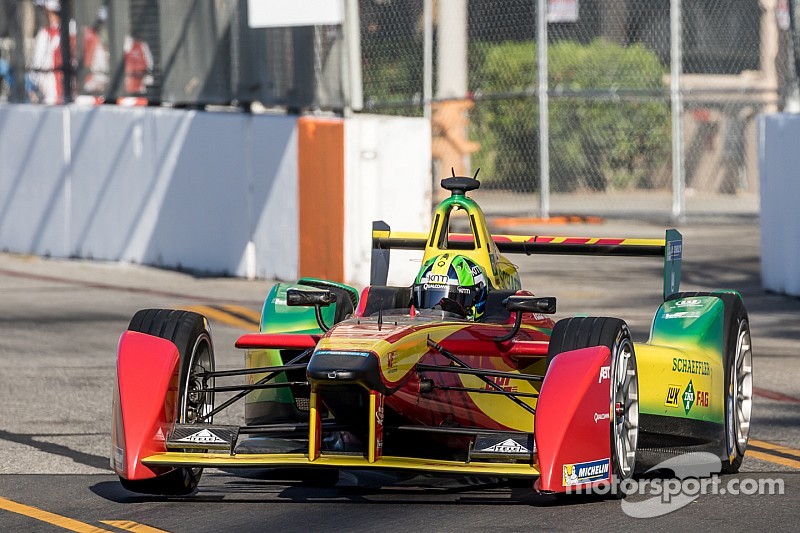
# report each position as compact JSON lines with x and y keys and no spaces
{"x":429,"y":296}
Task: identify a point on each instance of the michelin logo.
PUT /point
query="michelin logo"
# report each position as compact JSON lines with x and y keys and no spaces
{"x":577,"y":473}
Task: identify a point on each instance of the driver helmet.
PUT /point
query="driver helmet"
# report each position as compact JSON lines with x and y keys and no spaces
{"x":452,"y":283}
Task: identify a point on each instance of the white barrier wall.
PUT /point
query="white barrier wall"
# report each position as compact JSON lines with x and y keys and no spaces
{"x":779,"y":160}
{"x":211,"y":192}
{"x":387,"y":177}
{"x":150,"y":185}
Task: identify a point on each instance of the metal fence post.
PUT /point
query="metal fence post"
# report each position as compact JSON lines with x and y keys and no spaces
{"x":427,"y":59}
{"x":544,"y":123}
{"x":676,"y":68}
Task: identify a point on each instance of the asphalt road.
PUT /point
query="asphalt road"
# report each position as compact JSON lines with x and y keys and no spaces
{"x":60,"y":322}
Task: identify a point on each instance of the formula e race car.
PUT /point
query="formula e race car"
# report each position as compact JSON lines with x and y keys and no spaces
{"x":462,"y":372}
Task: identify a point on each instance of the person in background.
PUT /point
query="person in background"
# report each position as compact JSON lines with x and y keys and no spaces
{"x":95,"y":55}
{"x":46,"y":72}
{"x":138,"y":65}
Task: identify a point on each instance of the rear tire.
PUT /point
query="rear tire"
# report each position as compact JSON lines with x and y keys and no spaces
{"x":191,"y":335}
{"x":584,"y":332}
{"x":738,"y":364}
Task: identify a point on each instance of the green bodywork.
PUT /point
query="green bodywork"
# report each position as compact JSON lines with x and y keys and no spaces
{"x":681,"y":368}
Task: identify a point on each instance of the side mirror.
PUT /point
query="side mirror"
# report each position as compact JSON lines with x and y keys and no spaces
{"x":526,"y":304}
{"x":314,"y":298}
{"x":531,"y":304}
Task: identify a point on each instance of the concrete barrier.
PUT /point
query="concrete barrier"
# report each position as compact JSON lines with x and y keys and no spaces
{"x":211,"y":192}
{"x":779,"y":160}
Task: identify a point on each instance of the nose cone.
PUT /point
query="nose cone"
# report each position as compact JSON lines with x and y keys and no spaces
{"x":340,"y":367}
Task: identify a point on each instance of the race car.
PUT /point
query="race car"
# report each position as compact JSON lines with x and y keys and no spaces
{"x":461,"y":372}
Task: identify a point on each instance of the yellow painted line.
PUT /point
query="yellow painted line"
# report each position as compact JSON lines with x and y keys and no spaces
{"x":244,"y":311}
{"x":775,"y":447}
{"x":127,"y":525}
{"x":223,"y":317}
{"x":51,"y":518}
{"x":773,"y":459}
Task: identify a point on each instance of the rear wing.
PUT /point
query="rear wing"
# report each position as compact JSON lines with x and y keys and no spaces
{"x":669,"y":248}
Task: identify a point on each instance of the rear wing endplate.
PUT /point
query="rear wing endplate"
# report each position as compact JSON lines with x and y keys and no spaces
{"x":668,"y":248}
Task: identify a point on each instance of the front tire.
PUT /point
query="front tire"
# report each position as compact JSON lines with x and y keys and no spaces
{"x":191,"y":335}
{"x":584,"y":332}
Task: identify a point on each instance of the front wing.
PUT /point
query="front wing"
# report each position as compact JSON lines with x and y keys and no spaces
{"x":572,"y":428}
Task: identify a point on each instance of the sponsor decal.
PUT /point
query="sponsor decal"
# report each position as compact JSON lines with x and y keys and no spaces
{"x":688,"y":397}
{"x":674,"y":248}
{"x":574,"y":474}
{"x":694,"y":302}
{"x":119,"y":457}
{"x":203,"y":436}
{"x":691,"y":366}
{"x":601,"y":416}
{"x":507,"y":446}
{"x":437,"y":278}
{"x":702,"y":398}
{"x":340,"y":352}
{"x":673,"y":396}
{"x":504,"y":383}
{"x":391,"y":362}
{"x":605,"y":373}
{"x":681,"y":314}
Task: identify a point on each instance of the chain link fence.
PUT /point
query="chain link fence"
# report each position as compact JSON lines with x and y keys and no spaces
{"x":610,"y":115}
{"x":191,"y":53}
{"x":615,"y":102}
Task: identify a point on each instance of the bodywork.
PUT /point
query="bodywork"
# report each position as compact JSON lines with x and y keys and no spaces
{"x":389,"y":386}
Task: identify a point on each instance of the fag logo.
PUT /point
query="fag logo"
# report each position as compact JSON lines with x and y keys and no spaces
{"x":507,"y":446}
{"x":673,"y":396}
{"x":688,"y":397}
{"x":605,"y":373}
{"x":203,"y":436}
{"x":702,"y":398}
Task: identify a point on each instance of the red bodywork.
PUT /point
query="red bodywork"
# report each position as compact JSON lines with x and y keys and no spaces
{"x":145,"y":403}
{"x":573,"y":418}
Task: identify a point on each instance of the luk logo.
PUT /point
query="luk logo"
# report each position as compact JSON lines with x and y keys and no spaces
{"x":605,"y":373}
{"x":673,"y":396}
{"x":574,"y":474}
{"x":688,"y":397}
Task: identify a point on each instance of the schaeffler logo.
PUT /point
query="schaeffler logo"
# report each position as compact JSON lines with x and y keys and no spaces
{"x":695,"y":475}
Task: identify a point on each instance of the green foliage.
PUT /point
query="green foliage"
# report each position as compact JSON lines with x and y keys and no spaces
{"x":594,"y":142}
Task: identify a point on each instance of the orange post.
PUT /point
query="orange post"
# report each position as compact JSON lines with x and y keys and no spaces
{"x":320,"y":148}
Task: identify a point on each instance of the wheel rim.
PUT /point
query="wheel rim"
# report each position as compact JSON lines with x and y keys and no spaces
{"x":626,"y":410}
{"x":741,"y":389}
{"x":197,"y":405}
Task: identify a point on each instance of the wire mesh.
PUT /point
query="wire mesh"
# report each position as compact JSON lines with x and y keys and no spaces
{"x":610,"y":135}
{"x":610,"y":140}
